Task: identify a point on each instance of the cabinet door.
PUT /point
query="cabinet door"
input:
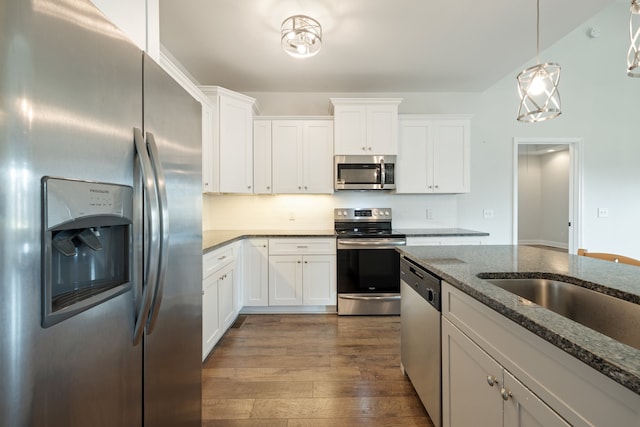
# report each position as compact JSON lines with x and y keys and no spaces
{"x":350,"y":123}
{"x":451,"y":156}
{"x":319,"y":280}
{"x":262,"y":157}
{"x":287,"y":156}
{"x":413,"y":163}
{"x":285,"y":280}
{"x":382,"y":129}
{"x":236,"y":146}
{"x":468,"y":398}
{"x":317,"y":150}
{"x":209,"y":160}
{"x":256,"y":273}
{"x":225,"y":298}
{"x":210,"y":320}
{"x":525,"y":409}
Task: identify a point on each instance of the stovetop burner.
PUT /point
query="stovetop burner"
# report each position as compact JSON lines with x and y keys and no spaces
{"x":362,"y":223}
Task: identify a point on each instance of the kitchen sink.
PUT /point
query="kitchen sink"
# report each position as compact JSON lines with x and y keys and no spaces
{"x":613,"y":317}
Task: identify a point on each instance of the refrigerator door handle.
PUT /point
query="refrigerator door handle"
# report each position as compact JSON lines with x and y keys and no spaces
{"x":164,"y":231}
{"x":153,"y":214}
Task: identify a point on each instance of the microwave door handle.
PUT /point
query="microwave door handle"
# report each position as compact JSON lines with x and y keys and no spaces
{"x":153,"y":214}
{"x":383,"y":173}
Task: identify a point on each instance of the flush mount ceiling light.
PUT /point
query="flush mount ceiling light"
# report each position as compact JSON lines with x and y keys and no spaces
{"x":301,"y":36}
{"x":633,"y":56}
{"x":538,"y":87}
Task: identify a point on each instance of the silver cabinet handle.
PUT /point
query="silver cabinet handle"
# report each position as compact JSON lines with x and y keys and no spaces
{"x":302,"y":246}
{"x":268,"y":188}
{"x":220,"y":258}
{"x":505,"y":394}
{"x":161,"y":188}
{"x":153,"y":212}
{"x":491,"y":380}
{"x":249,"y":187}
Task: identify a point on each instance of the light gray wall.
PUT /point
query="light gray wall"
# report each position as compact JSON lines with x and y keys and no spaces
{"x":543,"y":198}
{"x":529,"y":199}
{"x":600,"y":106}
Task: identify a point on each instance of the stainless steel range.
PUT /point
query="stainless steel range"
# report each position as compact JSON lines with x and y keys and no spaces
{"x":368,"y":264}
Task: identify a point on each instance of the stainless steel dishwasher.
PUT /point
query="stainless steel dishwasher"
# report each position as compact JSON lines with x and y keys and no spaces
{"x":420,"y":335}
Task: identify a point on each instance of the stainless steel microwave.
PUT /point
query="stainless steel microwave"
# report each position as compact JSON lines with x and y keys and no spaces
{"x":365,"y":173}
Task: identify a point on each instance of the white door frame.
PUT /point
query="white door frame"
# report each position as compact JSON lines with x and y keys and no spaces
{"x":575,"y":185}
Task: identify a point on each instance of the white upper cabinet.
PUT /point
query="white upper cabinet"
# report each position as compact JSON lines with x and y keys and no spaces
{"x":433,"y":154}
{"x":233,"y":134}
{"x":262,"y":175}
{"x":366,"y":126}
{"x":302,"y":156}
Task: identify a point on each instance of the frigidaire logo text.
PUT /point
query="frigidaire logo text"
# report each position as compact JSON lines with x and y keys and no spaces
{"x":95,"y":190}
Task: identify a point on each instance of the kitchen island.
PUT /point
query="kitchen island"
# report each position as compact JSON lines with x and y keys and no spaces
{"x":459,"y":266}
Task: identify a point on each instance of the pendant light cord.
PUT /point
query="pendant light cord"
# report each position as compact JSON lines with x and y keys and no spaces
{"x":538,"y":32}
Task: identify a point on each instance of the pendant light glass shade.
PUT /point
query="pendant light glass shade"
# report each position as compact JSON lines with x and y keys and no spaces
{"x":301,"y":36}
{"x":633,"y":56}
{"x":538,"y":87}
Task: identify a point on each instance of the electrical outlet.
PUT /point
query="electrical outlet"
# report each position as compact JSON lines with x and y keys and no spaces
{"x":603,"y":212}
{"x":292,"y":216}
{"x":487,"y":213}
{"x":429,"y":213}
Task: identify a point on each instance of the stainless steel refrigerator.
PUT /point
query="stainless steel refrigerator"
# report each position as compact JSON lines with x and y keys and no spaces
{"x":98,"y":241}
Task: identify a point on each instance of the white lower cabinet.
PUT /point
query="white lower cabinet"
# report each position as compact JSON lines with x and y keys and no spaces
{"x":255,"y":259}
{"x":302,"y":272}
{"x":497,"y":373}
{"x":477,"y":390}
{"x":210,"y":320}
{"x":219,"y":295}
{"x":285,"y":280}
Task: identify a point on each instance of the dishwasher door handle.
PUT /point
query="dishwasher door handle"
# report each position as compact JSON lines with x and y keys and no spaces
{"x":371,"y":297}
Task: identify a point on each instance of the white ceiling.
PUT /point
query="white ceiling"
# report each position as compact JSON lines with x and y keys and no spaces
{"x":368,"y":45}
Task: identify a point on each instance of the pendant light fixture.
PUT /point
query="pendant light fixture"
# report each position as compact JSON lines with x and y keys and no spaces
{"x":301,"y":36}
{"x":633,"y":56}
{"x":538,"y":87}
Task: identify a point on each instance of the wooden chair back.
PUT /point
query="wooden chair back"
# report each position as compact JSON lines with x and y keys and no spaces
{"x":609,"y":257}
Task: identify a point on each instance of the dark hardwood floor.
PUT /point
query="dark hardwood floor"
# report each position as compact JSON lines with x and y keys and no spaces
{"x":309,"y":370}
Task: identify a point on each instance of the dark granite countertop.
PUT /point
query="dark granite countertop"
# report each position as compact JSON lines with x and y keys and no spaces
{"x":439,"y":232}
{"x":213,"y":239}
{"x":460,"y":265}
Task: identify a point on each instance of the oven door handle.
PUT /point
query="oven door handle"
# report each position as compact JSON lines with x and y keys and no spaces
{"x":369,"y":298}
{"x":375,"y":244}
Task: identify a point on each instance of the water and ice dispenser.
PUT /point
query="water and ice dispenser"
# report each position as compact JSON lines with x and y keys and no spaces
{"x":86,"y":240}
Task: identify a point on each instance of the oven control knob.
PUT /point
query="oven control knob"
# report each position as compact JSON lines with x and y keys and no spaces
{"x":386,"y":213}
{"x":344,"y":213}
{"x":375,"y":212}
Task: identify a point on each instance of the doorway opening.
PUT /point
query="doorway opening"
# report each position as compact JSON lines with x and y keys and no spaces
{"x":547,"y":192}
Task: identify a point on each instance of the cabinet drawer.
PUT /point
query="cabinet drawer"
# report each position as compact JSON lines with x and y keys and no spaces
{"x":320,"y":246}
{"x":212,"y":261}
